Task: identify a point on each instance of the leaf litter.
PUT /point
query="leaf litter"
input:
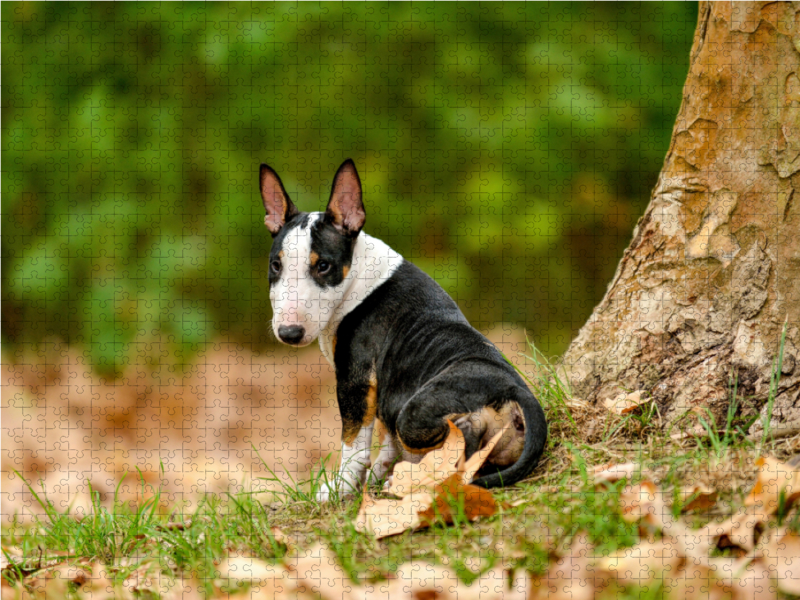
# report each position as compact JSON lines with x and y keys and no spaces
{"x":438,"y":491}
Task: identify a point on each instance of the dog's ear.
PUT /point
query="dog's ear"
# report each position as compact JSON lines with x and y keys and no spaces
{"x":276,"y":201}
{"x":345,"y":209}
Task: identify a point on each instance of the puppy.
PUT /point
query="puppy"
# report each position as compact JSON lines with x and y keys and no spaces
{"x":405,"y":356}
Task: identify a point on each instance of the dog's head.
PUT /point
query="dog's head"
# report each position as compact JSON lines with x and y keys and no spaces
{"x":311,"y":254}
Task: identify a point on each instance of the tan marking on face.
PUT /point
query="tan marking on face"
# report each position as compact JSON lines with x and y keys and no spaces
{"x":281,"y":254}
{"x":314,"y":257}
{"x":345,"y":271}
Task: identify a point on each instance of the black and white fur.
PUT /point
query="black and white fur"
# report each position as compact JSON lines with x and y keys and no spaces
{"x":405,"y":356}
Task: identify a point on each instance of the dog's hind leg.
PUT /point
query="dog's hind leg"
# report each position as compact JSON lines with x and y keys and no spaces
{"x":421,"y":425}
{"x":386,"y":456}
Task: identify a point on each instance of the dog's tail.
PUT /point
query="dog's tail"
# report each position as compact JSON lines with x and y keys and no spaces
{"x":535,"y":439}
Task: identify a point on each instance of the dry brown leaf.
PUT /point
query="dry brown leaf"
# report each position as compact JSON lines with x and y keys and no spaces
{"x":638,"y":501}
{"x":495,"y":584}
{"x":698,"y":580}
{"x":475,"y":462}
{"x":148,"y":580}
{"x":475,"y":501}
{"x":317,"y":571}
{"x":782,"y":557}
{"x":420,"y":580}
{"x":645,"y":502}
{"x":387,"y":517}
{"x":736,"y":578}
{"x":774,"y":479}
{"x":610,"y":472}
{"x":626,"y":403}
{"x":697,"y":498}
{"x":435,"y":466}
{"x":271,"y":579}
{"x":12,"y":592}
{"x":571,"y":577}
{"x":753,"y":582}
{"x":92,"y":579}
{"x":644,"y":562}
{"x":740,"y":530}
{"x":190,"y":589}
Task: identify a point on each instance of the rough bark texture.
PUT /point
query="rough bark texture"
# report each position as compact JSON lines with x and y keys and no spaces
{"x":713,"y":270}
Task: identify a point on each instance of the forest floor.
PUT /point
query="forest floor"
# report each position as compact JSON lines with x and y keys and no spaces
{"x":619,"y":507}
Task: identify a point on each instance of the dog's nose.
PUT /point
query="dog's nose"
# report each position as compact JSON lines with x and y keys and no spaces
{"x":291,"y":334}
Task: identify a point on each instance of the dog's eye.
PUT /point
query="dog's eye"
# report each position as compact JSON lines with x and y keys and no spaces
{"x":275,"y":265}
{"x":323,"y":267}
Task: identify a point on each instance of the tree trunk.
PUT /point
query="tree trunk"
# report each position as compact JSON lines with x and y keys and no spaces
{"x":713,"y":271}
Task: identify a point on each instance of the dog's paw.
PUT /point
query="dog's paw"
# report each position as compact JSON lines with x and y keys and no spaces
{"x":334,"y":491}
{"x":379,"y":472}
{"x":327,"y":492}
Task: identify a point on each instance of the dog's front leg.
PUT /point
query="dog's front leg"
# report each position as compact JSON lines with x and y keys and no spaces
{"x":382,"y":467}
{"x":353,"y":469}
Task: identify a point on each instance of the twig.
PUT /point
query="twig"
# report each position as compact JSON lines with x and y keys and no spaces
{"x":783,"y":430}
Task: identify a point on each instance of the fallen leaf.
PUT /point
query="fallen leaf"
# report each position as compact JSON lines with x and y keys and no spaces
{"x":697,"y":498}
{"x":626,"y":403}
{"x":271,"y":579}
{"x":517,"y":503}
{"x":698,"y":580}
{"x":645,"y":501}
{"x":475,"y":462}
{"x":475,"y":501}
{"x":774,"y":480}
{"x":189,"y":589}
{"x":92,"y":579}
{"x":638,"y":501}
{"x":782,"y":556}
{"x":387,"y":517}
{"x":610,"y":473}
{"x":647,"y":561}
{"x":752,"y":582}
{"x":740,"y":530}
{"x":317,"y":571}
{"x":148,"y":580}
{"x":435,"y":466}
{"x":571,"y":577}
{"x":421,"y":580}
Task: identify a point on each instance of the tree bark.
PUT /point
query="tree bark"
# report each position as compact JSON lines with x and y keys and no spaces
{"x":713,"y":271}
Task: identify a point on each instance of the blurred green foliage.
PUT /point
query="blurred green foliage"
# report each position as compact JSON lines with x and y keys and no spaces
{"x":506,"y":148}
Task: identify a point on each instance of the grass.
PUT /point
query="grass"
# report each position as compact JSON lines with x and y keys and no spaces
{"x":559,"y":501}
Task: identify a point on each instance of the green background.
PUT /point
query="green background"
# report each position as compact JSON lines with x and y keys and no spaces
{"x":506,"y":148}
